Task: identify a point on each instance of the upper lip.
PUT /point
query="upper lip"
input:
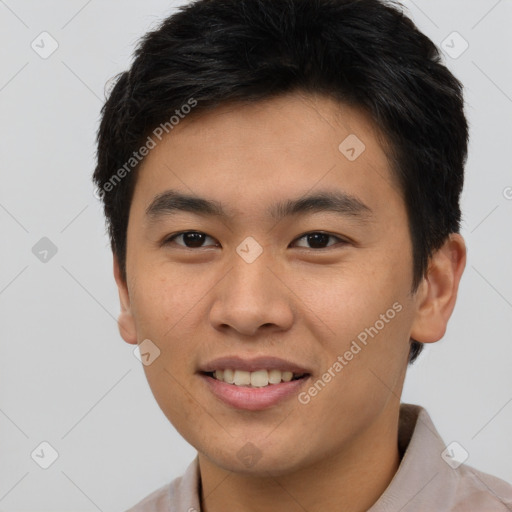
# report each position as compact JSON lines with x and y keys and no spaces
{"x":252,"y":364}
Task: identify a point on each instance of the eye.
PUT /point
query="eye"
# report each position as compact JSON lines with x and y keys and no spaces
{"x":190,"y":239}
{"x":318,"y":240}
{"x":196,"y":239}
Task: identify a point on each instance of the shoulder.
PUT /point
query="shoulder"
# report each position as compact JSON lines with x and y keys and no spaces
{"x":476,"y":490}
{"x":181,"y":495}
{"x":430,"y":477}
{"x":157,"y":501}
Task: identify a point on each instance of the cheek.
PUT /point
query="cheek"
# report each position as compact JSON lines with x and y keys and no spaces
{"x":361,"y":312}
{"x":164,"y":307}
{"x":348,"y":298}
{"x":168,"y":307}
{"x":161,"y":301}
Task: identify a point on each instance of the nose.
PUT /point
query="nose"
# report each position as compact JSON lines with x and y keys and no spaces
{"x":252,"y":297}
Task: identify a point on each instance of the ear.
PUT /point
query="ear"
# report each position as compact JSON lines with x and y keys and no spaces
{"x":125,"y":321}
{"x":437,"y":293}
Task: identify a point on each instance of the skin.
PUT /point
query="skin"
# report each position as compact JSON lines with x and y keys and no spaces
{"x":295,"y":301}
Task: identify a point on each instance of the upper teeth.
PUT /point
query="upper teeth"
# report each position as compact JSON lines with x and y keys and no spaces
{"x":256,"y":379}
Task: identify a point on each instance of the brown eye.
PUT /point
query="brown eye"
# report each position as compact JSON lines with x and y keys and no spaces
{"x":189,"y":239}
{"x":318,"y":240}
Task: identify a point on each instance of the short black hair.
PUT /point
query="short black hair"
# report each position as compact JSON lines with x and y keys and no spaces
{"x":364,"y":53}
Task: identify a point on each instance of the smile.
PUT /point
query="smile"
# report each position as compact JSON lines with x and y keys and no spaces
{"x":256,"y":379}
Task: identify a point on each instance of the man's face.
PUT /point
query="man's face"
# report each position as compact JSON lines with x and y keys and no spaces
{"x":302,"y":291}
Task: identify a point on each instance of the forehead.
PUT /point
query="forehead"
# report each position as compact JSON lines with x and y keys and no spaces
{"x":252,"y":154}
{"x":287,"y":120}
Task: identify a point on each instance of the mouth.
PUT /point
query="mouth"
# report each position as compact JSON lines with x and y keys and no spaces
{"x":255,"y":379}
{"x":253,"y":384}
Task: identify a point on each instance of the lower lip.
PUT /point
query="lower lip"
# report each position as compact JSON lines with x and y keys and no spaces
{"x":253,"y":399}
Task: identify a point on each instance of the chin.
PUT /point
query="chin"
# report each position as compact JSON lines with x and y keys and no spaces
{"x":249,"y":460}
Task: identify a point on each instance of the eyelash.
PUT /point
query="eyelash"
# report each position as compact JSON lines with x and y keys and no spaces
{"x":171,"y":238}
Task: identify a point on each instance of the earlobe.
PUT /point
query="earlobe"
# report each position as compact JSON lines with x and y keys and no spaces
{"x":125,"y":321}
{"x":437,"y":292}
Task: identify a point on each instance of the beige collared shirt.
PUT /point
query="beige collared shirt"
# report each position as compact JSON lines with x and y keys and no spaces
{"x":426,"y":480}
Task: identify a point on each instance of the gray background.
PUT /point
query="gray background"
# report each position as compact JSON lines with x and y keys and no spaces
{"x":67,"y":378}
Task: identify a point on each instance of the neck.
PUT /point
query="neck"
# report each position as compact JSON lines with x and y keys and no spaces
{"x":353,"y":478}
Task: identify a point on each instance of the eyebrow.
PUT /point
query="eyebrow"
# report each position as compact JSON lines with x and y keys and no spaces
{"x":341,"y":203}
